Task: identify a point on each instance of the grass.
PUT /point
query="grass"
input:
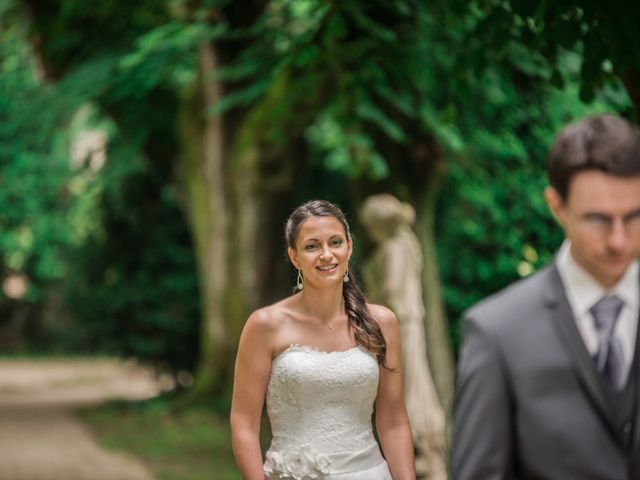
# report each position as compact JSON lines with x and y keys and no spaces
{"x":191,"y":443}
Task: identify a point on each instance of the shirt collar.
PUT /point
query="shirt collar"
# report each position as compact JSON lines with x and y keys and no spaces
{"x":583,"y":291}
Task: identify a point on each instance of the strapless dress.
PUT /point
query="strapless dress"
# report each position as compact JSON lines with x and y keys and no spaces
{"x":320,"y":406}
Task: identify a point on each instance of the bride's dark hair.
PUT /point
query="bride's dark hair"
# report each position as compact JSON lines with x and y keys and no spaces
{"x":366,"y":330}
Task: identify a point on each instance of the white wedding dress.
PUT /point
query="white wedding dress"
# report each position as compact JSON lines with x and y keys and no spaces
{"x":320,"y":406}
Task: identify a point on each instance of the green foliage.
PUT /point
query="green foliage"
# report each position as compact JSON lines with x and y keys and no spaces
{"x":368,"y":93}
{"x":73,"y":31}
{"x":132,"y":285}
{"x":165,"y":55}
{"x":533,"y":36}
{"x":132,"y":280}
{"x":33,"y":172}
{"x":112,"y":238}
{"x":362,"y":77}
{"x":493,"y":225}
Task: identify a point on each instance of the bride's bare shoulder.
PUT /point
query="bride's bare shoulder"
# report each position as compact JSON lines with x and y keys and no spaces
{"x":383,"y":315}
{"x":270,"y":318}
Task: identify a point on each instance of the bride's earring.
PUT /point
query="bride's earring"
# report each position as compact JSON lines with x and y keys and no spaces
{"x":300,"y":281}
{"x":345,"y":279}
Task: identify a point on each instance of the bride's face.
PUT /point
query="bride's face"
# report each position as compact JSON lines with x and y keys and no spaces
{"x":322,"y":251}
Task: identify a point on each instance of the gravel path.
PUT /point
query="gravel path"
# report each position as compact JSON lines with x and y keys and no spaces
{"x":41,"y":438}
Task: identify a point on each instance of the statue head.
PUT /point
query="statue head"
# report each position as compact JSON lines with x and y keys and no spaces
{"x":383,"y":215}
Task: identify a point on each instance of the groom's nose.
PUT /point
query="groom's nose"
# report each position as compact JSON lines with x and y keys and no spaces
{"x":618,"y":237}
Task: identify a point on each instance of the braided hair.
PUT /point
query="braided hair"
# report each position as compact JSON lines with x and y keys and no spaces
{"x":367,"y":332}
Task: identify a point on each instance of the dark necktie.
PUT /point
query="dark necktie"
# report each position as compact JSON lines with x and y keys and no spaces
{"x":608,"y":359}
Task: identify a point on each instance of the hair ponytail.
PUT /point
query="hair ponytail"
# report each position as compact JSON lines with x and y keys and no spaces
{"x":366,"y":330}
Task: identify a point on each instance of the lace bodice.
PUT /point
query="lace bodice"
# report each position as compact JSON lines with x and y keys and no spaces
{"x":322,"y":399}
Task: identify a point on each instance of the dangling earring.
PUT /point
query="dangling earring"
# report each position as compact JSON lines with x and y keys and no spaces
{"x":345,"y":279}
{"x":300,"y":281}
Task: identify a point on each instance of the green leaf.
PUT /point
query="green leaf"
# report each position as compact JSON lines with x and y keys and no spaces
{"x":240,"y":97}
{"x":368,"y":111}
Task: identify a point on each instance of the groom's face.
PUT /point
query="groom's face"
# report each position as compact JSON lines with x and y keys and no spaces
{"x":601,"y":218}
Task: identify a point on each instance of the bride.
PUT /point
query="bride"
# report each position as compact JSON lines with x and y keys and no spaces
{"x":321,"y":358}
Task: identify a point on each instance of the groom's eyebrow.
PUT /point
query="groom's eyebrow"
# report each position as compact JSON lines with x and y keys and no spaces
{"x":631,"y":215}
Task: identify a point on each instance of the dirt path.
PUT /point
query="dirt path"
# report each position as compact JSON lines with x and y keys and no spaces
{"x":40,"y":437}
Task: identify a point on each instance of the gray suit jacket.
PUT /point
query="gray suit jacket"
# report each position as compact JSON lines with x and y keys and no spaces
{"x":529,"y":401}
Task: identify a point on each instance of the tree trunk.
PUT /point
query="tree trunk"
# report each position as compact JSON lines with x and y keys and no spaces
{"x":235,"y":182}
{"x":439,"y":348}
{"x":260,"y":175}
{"x":201,"y":172}
{"x":245,"y":247}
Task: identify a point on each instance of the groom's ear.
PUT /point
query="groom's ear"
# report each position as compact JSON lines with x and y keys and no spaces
{"x":556,"y":204}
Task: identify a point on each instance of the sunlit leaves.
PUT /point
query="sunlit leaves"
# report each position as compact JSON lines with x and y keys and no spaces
{"x":370,"y":67}
{"x":166,"y":54}
{"x":241,"y":97}
{"x":443,"y":128}
{"x":346,"y":150}
{"x":293,"y":23}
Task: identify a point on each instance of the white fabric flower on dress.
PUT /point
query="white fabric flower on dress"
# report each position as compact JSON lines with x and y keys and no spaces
{"x":299,"y":464}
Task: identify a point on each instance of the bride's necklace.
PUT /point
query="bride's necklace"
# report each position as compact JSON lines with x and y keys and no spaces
{"x":333,"y":322}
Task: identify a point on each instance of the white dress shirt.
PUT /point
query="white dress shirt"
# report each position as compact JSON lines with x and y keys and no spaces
{"x":583,"y":291}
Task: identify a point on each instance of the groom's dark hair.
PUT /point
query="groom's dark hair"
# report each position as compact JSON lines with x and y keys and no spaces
{"x":601,"y":142}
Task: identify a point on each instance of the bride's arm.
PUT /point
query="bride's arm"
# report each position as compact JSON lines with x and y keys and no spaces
{"x":253,"y":367}
{"x":392,"y":421}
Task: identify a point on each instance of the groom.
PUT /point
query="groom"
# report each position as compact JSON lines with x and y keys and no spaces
{"x":548,"y":380}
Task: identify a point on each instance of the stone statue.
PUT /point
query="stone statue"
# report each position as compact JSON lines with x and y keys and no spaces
{"x":393,"y":278}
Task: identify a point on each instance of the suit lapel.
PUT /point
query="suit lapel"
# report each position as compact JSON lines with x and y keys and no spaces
{"x":563,"y":322}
